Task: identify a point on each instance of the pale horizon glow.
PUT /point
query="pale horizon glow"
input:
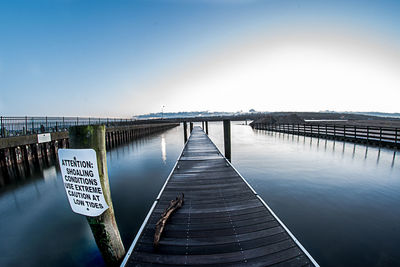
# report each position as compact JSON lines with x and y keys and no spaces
{"x":287,"y":74}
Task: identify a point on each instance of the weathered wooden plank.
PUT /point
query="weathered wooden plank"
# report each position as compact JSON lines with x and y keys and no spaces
{"x":214,"y":248}
{"x":219,"y":258}
{"x":215,"y":240}
{"x":208,"y":221}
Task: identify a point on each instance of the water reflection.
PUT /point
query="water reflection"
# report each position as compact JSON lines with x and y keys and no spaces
{"x":163,"y":149}
{"x":379,"y":155}
{"x":50,"y":174}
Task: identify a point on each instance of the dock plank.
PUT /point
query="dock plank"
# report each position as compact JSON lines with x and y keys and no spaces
{"x":222,"y":222}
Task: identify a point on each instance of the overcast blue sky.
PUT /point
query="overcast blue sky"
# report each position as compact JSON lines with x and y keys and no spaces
{"x":120,"y":58}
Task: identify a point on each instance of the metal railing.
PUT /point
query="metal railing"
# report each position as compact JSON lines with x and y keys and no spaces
{"x":17,"y":126}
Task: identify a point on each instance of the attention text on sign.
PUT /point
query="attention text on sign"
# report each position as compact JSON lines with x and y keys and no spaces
{"x":81,"y":181}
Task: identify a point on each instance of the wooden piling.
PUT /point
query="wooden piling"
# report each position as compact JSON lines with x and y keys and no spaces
{"x":104,"y":227}
{"x":191,"y":126}
{"x":35,"y":155}
{"x":13,"y":156}
{"x":207,"y":127}
{"x":3,"y":164}
{"x":185,"y":136}
{"x":25,"y":159}
{"x":44,"y":153}
{"x":53,"y":151}
{"x":227,"y":139}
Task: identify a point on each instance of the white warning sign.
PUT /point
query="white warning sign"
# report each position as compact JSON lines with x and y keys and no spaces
{"x":81,"y":181}
{"x":44,"y":138}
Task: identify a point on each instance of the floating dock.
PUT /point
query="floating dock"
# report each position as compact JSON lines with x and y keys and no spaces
{"x":223,"y":221}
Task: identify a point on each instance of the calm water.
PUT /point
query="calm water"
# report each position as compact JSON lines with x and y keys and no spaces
{"x":340,"y":200}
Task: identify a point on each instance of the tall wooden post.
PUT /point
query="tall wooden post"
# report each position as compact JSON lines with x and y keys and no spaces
{"x":191,"y":127}
{"x":104,"y":227}
{"x":207,"y":127}
{"x":227,"y":139}
{"x":185,"y":136}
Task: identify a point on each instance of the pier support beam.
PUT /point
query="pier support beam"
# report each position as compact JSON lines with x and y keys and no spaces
{"x":104,"y":227}
{"x":13,"y":157}
{"x":227,"y":139}
{"x":3,"y":164}
{"x":25,"y":159}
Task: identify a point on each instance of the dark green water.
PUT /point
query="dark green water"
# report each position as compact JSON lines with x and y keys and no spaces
{"x":339,"y":199}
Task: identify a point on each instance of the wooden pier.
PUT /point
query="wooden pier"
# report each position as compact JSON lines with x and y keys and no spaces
{"x":222,"y":222}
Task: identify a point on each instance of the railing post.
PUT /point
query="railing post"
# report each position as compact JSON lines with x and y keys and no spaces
{"x":191,"y":127}
{"x":46,"y":130}
{"x":104,"y":227}
{"x":334,"y":131}
{"x":344,"y":131}
{"x":2,"y":128}
{"x":380,"y":135}
{"x":355,"y":133}
{"x":367,"y":134}
{"x":207,"y":127}
{"x":227,"y":139}
{"x":26,"y":125}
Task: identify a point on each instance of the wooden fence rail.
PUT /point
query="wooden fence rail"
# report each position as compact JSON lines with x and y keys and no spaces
{"x":383,"y":136}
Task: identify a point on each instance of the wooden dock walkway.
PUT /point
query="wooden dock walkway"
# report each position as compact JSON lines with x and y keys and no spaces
{"x":223,"y":221}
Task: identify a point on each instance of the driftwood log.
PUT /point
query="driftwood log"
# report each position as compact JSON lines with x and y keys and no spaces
{"x":173,"y":206}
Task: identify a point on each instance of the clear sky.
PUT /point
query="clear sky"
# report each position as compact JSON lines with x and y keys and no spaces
{"x":120,"y":58}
